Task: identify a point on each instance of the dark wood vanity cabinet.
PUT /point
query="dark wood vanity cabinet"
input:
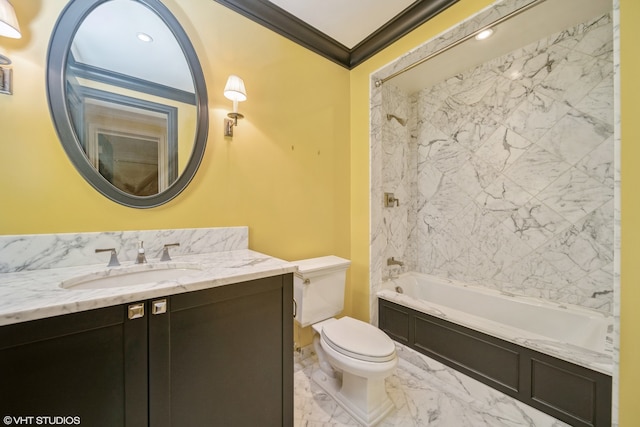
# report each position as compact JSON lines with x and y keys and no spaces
{"x":221,"y":356}
{"x":90,"y":365}
{"x":224,"y":357}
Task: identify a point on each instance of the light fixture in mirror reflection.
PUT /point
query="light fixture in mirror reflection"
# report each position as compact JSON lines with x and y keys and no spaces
{"x":129,"y":105}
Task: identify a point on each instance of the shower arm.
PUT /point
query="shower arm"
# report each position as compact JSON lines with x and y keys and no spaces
{"x":403,"y":122}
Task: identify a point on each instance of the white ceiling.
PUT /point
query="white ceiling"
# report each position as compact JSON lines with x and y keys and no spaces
{"x":107,"y":39}
{"x":346,"y":21}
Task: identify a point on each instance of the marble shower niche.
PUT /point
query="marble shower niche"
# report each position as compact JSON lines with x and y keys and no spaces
{"x":505,"y":172}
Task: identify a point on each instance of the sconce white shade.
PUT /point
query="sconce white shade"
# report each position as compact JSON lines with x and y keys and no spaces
{"x":8,"y":22}
{"x":234,"y":90}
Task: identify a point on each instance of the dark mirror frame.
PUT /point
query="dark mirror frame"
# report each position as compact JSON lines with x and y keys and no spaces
{"x":58,"y":54}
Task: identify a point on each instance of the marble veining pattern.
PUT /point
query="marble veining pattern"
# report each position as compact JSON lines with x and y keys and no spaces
{"x":615,"y":166}
{"x":523,"y":147}
{"x":379,"y":108}
{"x":42,"y":251}
{"x":424,"y":392}
{"x":221,"y":256}
{"x":592,"y":52}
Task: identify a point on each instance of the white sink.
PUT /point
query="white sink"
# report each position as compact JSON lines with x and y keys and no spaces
{"x":134,"y":275}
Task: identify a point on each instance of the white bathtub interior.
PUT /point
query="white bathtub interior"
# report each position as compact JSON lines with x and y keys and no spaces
{"x":567,"y":332}
{"x":561,"y":322}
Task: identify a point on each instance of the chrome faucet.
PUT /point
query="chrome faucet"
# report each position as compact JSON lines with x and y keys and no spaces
{"x":141,"y":259}
{"x":165,"y":251}
{"x":393,"y":261}
{"x":113,"y":261}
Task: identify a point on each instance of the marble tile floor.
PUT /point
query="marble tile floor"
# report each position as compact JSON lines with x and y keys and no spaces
{"x":424,"y":392}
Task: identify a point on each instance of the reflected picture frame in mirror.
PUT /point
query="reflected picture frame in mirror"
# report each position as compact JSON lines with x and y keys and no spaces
{"x":75,"y":89}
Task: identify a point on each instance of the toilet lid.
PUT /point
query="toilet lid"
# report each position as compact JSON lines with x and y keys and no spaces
{"x":359,"y":340}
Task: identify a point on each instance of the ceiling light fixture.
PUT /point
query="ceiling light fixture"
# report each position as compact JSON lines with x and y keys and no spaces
{"x":484,"y":34}
{"x":144,"y":37}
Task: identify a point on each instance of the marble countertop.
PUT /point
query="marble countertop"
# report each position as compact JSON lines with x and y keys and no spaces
{"x":37,"y":294}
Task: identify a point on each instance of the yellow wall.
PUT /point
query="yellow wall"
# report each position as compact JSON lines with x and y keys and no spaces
{"x":630,"y":199}
{"x":284,"y":174}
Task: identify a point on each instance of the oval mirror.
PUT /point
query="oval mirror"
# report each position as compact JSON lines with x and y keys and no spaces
{"x":128,"y":98}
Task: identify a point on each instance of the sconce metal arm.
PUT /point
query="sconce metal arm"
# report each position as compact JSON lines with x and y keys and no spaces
{"x":231,"y":122}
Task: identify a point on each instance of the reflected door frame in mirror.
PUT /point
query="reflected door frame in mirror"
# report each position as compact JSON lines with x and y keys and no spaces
{"x":64,"y":106}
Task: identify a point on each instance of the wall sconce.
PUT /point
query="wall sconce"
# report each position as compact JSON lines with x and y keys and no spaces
{"x":8,"y":22}
{"x":235,"y":91}
{"x":8,"y":28}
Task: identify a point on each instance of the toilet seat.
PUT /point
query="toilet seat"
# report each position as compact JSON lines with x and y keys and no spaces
{"x":358,"y":340}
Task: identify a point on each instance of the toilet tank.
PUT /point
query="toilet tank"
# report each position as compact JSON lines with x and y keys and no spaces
{"x":318,"y":288}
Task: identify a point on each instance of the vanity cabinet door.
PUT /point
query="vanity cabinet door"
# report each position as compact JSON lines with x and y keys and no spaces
{"x":85,"y":368}
{"x":217,"y":357}
{"x":223,"y":357}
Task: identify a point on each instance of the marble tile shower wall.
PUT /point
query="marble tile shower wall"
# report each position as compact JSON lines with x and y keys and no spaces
{"x":399,"y":176}
{"x":507,"y":171}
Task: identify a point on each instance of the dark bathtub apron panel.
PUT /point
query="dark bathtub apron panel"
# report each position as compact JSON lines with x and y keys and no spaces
{"x":571,"y":393}
{"x":483,"y":356}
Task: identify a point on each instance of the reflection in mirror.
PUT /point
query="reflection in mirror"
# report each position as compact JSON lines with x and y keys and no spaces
{"x":131,"y":106}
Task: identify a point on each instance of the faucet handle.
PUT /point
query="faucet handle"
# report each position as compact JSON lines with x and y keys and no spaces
{"x":165,"y":251}
{"x":390,"y":200}
{"x":141,"y":258}
{"x":113,"y":261}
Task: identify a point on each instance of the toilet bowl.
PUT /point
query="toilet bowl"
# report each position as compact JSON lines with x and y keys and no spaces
{"x":355,"y":357}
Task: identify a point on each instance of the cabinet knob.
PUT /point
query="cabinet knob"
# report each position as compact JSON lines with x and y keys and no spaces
{"x":136,"y":311}
{"x":159,"y":306}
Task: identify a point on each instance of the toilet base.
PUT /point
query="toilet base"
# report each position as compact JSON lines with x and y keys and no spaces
{"x":365,"y":400}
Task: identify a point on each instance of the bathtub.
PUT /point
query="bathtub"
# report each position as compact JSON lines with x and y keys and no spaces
{"x":555,"y":357}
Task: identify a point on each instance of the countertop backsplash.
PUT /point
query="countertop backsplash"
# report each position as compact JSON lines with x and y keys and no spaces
{"x":26,"y":252}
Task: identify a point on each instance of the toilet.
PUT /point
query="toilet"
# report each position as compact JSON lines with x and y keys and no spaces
{"x":355,"y":357}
